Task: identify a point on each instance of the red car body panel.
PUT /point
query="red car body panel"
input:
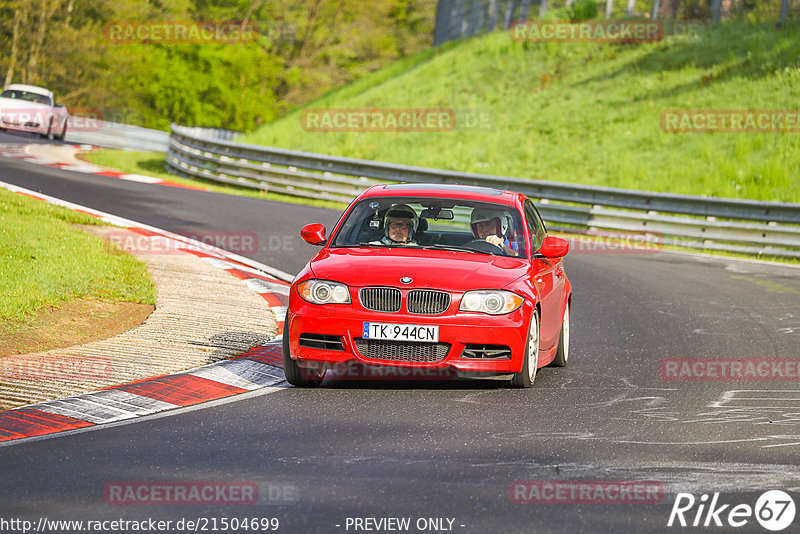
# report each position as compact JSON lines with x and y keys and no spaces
{"x":437,"y":269}
{"x":540,"y":281}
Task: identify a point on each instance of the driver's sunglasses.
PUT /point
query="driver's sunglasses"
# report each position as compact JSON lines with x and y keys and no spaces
{"x":402,"y":225}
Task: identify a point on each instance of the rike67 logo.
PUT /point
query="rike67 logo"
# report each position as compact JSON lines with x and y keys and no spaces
{"x":774,"y":510}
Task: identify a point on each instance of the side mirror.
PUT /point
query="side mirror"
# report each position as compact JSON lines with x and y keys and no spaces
{"x":553,"y":247}
{"x":313,"y":234}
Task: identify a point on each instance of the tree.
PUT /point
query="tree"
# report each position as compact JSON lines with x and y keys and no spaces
{"x":669,"y":9}
{"x":46,"y":10}
{"x":492,"y":15}
{"x":20,"y":16}
{"x":302,"y":49}
{"x":654,"y":12}
{"x":716,"y":11}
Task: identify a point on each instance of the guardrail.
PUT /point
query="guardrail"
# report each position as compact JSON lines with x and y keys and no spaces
{"x":746,"y":226}
{"x":117,"y":135}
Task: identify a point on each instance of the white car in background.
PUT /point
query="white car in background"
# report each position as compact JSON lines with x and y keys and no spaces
{"x":27,"y":108}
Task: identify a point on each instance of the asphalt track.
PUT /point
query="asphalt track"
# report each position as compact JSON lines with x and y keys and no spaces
{"x":420,"y":449}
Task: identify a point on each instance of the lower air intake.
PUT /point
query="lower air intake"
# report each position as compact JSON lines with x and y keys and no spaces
{"x":402,"y":351}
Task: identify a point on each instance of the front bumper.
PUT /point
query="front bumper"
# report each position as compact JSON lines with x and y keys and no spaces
{"x":25,"y":121}
{"x":15,"y":127}
{"x":460,"y":331}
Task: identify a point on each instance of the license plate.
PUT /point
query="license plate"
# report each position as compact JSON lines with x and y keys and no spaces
{"x":401,"y":332}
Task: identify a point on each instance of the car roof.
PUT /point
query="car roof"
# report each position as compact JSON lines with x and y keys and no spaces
{"x":29,"y":88}
{"x":433,"y":190}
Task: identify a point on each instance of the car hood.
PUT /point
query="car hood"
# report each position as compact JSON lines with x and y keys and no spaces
{"x":437,"y":269}
{"x":16,"y":103}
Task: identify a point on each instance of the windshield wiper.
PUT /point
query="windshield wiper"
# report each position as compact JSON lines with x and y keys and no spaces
{"x":361,"y":244}
{"x":437,"y":246}
{"x":454,"y":248}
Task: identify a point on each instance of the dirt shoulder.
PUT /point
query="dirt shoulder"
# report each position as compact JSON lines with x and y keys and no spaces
{"x":75,"y":322}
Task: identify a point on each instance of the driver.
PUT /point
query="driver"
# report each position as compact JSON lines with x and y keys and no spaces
{"x":492,"y":226}
{"x":400,"y":225}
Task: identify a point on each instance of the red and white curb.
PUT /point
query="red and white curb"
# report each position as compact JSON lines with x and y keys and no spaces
{"x":146,"y":397}
{"x":257,"y":368}
{"x":22,"y":152}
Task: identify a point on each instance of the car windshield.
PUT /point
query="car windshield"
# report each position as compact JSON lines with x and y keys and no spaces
{"x":25,"y":95}
{"x":433,"y":223}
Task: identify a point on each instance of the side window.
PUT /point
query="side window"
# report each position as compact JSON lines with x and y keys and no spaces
{"x":535,"y":225}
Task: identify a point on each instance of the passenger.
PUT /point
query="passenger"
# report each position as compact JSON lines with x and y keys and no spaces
{"x":492,"y":226}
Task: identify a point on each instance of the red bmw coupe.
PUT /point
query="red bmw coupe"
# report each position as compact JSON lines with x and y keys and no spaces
{"x":433,"y":276}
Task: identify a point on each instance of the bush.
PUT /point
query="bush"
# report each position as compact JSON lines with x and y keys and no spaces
{"x":583,"y":10}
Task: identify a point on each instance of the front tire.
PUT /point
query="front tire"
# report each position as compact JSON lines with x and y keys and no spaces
{"x":562,"y":354}
{"x":530,"y":363}
{"x":296,"y":375}
{"x":49,"y":134}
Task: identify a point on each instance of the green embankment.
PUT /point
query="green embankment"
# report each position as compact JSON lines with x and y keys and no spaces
{"x":44,"y":261}
{"x":585,"y":112}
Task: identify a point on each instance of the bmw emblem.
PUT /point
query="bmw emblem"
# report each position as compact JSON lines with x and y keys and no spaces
{"x":406,"y":280}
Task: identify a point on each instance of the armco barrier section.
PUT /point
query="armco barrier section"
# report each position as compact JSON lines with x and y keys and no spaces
{"x":746,"y":226}
{"x":117,"y":135}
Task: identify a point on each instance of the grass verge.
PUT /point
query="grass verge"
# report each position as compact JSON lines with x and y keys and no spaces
{"x":586,"y":113}
{"x":45,"y":262}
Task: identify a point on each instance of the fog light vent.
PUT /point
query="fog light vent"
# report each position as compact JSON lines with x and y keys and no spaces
{"x":487,"y":352}
{"x":321,"y":341}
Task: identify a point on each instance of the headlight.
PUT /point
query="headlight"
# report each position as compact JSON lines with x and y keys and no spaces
{"x":493,"y":302}
{"x":324,"y":292}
